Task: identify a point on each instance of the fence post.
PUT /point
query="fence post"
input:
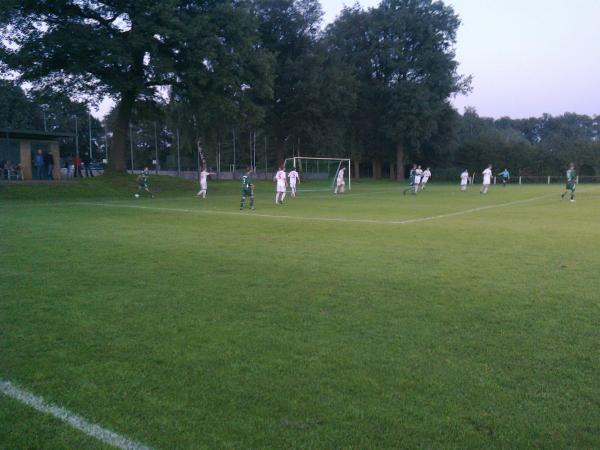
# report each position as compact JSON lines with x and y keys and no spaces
{"x":519,"y":179}
{"x":548,"y":179}
{"x":494,"y":180}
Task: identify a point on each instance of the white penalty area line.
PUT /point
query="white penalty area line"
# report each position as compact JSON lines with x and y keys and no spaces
{"x":320,"y":219}
{"x":102,"y":434}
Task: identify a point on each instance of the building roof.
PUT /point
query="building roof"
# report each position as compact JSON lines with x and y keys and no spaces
{"x":9,"y":133}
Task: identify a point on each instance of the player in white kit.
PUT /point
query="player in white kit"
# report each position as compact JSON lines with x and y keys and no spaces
{"x":203,"y":182}
{"x":281,"y":179}
{"x":464,"y":180}
{"x":426,"y":177}
{"x":418,"y":178}
{"x":294,"y":178}
{"x":340,"y":183}
{"x":487,"y":179}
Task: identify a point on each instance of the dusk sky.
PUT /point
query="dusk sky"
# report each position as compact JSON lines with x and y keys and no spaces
{"x":527,"y":57}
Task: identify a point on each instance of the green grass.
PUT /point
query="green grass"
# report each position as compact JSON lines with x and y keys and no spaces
{"x":188,"y":324}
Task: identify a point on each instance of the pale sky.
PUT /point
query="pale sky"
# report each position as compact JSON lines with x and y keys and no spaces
{"x":527,"y":57}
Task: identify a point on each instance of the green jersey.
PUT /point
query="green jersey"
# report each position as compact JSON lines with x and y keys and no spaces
{"x":571,"y":179}
{"x":246,"y":183}
{"x":143,"y":178}
{"x":411,"y":177}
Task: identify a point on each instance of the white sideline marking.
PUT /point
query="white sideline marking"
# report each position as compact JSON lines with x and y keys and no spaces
{"x":321,"y":219}
{"x":78,"y":422}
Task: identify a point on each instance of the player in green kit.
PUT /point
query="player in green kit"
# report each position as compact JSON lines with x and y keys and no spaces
{"x":411,"y":181}
{"x":247,"y":189}
{"x":571,"y":182}
{"x":143,"y":183}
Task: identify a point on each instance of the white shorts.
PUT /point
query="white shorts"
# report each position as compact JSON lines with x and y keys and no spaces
{"x":203,"y":186}
{"x":417,"y":180}
{"x":425,"y":180}
{"x":292,"y":184}
{"x":281,"y":188}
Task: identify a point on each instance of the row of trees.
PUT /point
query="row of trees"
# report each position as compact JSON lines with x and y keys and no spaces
{"x":375,"y":85}
{"x":535,"y":146}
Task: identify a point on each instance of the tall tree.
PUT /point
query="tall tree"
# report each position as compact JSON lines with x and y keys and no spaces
{"x":403,"y":55}
{"x":16,"y":110}
{"x":289,"y":30}
{"x":130,"y":50}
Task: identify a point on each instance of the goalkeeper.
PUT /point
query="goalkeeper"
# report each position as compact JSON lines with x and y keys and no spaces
{"x":247,"y":189}
{"x":571,"y":182}
{"x":505,"y":177}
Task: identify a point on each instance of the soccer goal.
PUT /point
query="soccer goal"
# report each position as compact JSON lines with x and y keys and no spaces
{"x":319,"y":174}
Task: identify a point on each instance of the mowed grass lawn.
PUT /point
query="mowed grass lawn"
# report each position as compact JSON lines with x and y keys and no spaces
{"x":188,"y":324}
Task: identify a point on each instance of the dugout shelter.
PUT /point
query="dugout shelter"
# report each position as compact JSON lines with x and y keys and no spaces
{"x":19,"y":147}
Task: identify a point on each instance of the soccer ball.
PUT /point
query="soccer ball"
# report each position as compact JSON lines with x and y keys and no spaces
{"x":136,"y":195}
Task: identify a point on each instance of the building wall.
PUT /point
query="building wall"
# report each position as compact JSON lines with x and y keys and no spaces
{"x":25,"y":162}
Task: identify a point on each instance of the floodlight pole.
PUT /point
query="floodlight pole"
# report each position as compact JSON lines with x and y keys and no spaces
{"x":198,"y":160}
{"x":106,"y":143}
{"x":76,"y":139}
{"x":266,"y":168}
{"x":90,"y":130}
{"x":178,"y":156}
{"x":155,"y":149}
{"x":131,"y":144}
{"x":233,"y":132}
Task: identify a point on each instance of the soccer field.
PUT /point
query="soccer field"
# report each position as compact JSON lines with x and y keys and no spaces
{"x":368,"y":320}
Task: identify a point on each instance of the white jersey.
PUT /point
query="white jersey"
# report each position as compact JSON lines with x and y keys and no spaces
{"x":294,"y":177}
{"x":464,"y":178}
{"x":280,"y":177}
{"x":418,"y":175}
{"x":426,"y":175}
{"x":203,"y":177}
{"x":487,"y":176}
{"x":340,"y":177}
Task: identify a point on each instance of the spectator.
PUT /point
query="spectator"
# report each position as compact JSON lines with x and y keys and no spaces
{"x":13,"y":171}
{"x":49,"y":162}
{"x":86,"y":164}
{"x":77,"y":167}
{"x":38,"y":162}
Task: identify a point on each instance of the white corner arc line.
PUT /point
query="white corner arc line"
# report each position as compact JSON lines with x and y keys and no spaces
{"x":319,"y":219}
{"x":96,"y":431}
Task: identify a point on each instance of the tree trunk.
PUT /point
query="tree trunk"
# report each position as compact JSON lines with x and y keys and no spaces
{"x":392,"y":172}
{"x":400,"y":162}
{"x":116,"y":162}
{"x":376,"y":169}
{"x":356,"y":169}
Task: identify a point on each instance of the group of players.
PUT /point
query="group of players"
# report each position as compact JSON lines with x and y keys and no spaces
{"x":486,"y":179}
{"x":281,"y":178}
{"x":418,"y":180}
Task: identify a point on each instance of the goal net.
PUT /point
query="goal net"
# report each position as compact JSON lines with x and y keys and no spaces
{"x":319,"y":174}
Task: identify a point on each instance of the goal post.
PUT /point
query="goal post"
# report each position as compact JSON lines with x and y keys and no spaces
{"x":318,"y":174}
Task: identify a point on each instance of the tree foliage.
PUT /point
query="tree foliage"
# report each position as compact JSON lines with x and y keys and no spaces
{"x":375,"y":85}
{"x":131,"y":50}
